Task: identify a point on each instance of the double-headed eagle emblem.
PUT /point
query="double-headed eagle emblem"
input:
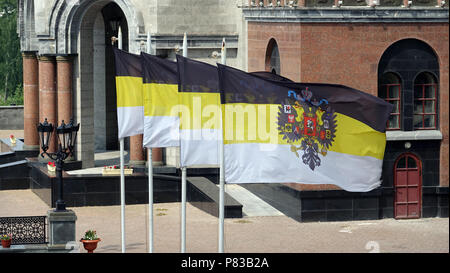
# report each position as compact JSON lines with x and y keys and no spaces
{"x":308,"y":124}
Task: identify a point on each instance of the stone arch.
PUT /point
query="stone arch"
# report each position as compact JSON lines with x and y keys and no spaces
{"x":85,"y":73}
{"x":67,"y":16}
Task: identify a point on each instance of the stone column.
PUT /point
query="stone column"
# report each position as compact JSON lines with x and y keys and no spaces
{"x":30,"y":100}
{"x":64,"y":84}
{"x":47,"y":95}
{"x":157,"y":156}
{"x":137,"y":155}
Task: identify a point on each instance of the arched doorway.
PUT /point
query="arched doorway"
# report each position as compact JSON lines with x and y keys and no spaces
{"x":407,"y":187}
{"x":95,"y":96}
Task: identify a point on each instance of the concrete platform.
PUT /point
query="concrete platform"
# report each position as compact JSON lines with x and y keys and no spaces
{"x":252,"y":205}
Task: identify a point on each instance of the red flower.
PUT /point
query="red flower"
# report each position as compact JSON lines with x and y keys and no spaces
{"x":115,"y":167}
{"x":11,"y":136}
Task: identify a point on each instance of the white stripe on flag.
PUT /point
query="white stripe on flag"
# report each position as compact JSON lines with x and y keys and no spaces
{"x":130,"y":121}
{"x":199,"y":147}
{"x":271,"y":163}
{"x":161,"y":131}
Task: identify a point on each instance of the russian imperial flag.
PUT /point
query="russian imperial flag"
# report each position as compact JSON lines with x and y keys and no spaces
{"x":161,"y":120}
{"x":200,"y":113}
{"x":130,"y":106}
{"x":282,"y":132}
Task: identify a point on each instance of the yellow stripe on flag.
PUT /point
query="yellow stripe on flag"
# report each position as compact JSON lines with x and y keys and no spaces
{"x":129,"y":91}
{"x":258,"y":123}
{"x":160,"y":99}
{"x":199,"y":110}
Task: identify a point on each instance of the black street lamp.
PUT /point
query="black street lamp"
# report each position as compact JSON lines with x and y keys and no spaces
{"x":67,"y":136}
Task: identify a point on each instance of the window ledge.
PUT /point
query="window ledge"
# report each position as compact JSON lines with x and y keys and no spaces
{"x":413,"y":135}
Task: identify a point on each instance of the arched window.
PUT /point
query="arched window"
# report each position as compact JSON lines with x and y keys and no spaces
{"x":425,"y":101}
{"x":273,"y":57}
{"x":416,"y":66}
{"x":389,"y":89}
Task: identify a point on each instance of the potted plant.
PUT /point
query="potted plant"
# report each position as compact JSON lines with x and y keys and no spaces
{"x":90,"y":240}
{"x":6,"y":240}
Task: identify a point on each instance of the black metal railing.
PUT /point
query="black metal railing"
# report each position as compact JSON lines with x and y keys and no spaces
{"x":25,"y":230}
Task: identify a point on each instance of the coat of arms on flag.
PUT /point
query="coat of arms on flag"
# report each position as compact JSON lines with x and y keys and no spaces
{"x":309,"y":125}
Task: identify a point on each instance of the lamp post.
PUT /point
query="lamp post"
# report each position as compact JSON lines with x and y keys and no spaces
{"x":67,"y":135}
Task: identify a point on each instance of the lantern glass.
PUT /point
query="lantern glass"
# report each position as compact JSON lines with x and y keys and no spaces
{"x":45,"y":131}
{"x":73,"y":134}
{"x":68,"y":135}
{"x":62,"y":131}
{"x":67,"y":139}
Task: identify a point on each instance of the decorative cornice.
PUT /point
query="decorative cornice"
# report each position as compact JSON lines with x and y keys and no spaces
{"x":29,"y":55}
{"x":64,"y":58}
{"x":347,"y":15}
{"x":46,"y":58}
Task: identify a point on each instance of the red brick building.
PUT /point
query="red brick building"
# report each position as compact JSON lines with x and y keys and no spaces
{"x":398,"y":51}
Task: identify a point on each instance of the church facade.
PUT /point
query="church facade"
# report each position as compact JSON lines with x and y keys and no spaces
{"x":394,"y":49}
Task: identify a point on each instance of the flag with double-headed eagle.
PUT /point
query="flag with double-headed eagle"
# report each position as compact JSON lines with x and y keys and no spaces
{"x":285,"y":132}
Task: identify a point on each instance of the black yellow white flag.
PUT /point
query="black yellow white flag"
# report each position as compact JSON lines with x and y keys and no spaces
{"x":130,"y":106}
{"x":279,"y":132}
{"x":200,"y":113}
{"x":160,"y":92}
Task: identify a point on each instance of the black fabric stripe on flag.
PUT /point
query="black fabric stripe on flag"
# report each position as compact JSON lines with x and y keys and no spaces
{"x":195,"y":76}
{"x":127,"y":64}
{"x":158,"y":70}
{"x":241,"y":87}
{"x":270,"y":76}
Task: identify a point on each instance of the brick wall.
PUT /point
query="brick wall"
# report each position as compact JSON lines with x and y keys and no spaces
{"x":348,"y":54}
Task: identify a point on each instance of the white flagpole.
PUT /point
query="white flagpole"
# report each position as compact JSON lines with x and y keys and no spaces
{"x":183,"y":181}
{"x":149,"y":43}
{"x":150,"y":176}
{"x":122,"y":194}
{"x":185,"y":49}
{"x":150,"y":200}
{"x":119,"y":38}
{"x":122,"y":175}
{"x":222,"y":172}
{"x":183,"y":209}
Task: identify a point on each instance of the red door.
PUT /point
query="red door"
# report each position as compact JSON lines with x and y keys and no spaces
{"x":408,"y":187}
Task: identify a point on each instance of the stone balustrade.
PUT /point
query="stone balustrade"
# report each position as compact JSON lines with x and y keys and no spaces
{"x":339,"y":3}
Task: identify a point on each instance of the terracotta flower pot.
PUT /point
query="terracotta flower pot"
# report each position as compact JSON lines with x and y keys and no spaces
{"x":90,"y":245}
{"x":6,"y":243}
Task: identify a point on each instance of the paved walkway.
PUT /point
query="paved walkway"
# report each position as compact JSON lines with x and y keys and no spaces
{"x":249,"y":234}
